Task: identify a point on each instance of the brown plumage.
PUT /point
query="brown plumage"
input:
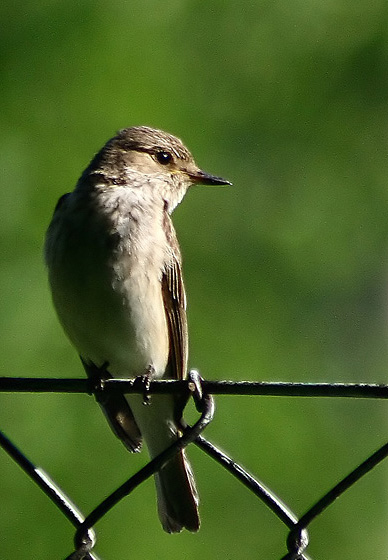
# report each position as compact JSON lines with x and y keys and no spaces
{"x":115,"y":273}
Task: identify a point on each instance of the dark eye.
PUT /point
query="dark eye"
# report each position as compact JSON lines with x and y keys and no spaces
{"x":164,"y":158}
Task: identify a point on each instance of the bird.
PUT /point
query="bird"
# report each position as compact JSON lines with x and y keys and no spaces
{"x":115,"y":274}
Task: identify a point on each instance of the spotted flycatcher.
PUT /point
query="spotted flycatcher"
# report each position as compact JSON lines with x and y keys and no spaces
{"x":115,"y":274}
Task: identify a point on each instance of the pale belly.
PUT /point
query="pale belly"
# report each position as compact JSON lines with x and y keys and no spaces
{"x":112,"y":316}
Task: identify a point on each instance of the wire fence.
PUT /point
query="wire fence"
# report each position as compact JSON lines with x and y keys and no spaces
{"x":201,"y":391}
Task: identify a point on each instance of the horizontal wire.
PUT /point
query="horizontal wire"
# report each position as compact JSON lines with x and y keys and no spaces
{"x":85,"y":536}
{"x":123,"y":386}
{"x":126,"y":386}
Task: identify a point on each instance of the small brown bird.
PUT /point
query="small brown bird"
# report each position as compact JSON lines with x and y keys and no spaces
{"x":115,"y":273}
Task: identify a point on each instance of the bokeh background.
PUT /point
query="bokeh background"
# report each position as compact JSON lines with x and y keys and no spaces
{"x":286,"y":271}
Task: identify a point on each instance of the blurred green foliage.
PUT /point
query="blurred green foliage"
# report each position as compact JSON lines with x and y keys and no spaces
{"x":286,"y":271}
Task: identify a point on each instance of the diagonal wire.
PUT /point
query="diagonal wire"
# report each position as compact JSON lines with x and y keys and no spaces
{"x":47,"y":485}
{"x":85,"y":537}
{"x":297,"y":539}
{"x":148,"y":470}
{"x":341,"y":487}
{"x":258,"y":488}
{"x":277,"y":506}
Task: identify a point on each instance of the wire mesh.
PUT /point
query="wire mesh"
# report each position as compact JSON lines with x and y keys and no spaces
{"x":297,"y":538}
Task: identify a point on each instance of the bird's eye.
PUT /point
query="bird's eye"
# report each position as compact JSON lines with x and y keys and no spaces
{"x":164,"y":158}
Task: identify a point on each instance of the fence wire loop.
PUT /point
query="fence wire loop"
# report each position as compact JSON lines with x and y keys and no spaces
{"x":200,"y":390}
{"x":297,"y":542}
{"x":82,"y":551}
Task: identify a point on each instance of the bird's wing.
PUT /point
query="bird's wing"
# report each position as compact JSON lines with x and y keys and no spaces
{"x":174,"y":299}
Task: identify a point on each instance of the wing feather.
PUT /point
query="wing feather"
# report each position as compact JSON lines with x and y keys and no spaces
{"x":174,"y":299}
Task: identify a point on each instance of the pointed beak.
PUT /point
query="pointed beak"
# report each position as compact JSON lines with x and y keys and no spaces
{"x":206,"y":179}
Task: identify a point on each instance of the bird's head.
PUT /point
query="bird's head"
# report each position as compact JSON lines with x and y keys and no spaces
{"x":140,"y":156}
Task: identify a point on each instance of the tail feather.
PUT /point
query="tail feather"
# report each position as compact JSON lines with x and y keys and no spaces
{"x":177,"y":496}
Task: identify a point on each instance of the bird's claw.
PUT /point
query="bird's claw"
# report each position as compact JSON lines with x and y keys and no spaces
{"x":145,"y":382}
{"x":195,"y":386}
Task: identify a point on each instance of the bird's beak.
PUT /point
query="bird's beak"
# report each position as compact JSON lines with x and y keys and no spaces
{"x":203,"y":178}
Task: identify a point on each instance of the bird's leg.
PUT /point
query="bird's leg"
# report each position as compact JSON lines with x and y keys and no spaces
{"x":145,"y":381}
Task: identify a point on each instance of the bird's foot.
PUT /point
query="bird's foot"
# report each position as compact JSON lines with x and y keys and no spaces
{"x":144,"y":381}
{"x":97,"y":376}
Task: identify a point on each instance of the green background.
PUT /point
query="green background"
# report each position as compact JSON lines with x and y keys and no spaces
{"x":286,"y":271}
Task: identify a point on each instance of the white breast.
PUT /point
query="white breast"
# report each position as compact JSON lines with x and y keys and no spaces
{"x":105,"y":270}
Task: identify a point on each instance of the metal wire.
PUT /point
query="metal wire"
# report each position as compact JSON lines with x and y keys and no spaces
{"x":127,"y":386}
{"x":148,"y":470}
{"x":48,"y":486}
{"x":297,"y":539}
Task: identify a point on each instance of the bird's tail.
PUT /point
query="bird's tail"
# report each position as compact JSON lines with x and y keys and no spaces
{"x":177,"y":495}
